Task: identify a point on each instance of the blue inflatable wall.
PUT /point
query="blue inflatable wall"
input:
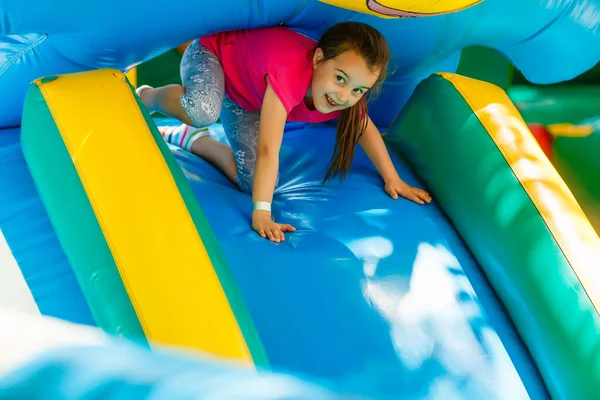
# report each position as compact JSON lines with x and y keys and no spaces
{"x":549,"y":40}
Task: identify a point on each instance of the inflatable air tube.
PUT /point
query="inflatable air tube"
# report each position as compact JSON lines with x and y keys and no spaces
{"x":138,"y":242}
{"x":540,"y":253}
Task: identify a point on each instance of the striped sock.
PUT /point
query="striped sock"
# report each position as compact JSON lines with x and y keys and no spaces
{"x":183,"y":135}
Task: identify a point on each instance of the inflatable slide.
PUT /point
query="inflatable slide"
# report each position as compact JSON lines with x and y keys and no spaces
{"x":490,"y":291}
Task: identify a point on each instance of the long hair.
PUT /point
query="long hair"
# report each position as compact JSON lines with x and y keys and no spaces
{"x":371,"y":46}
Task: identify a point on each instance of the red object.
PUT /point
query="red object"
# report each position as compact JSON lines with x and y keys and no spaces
{"x":543,"y":137}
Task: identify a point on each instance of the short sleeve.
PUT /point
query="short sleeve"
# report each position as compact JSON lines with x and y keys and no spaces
{"x":288,"y":76}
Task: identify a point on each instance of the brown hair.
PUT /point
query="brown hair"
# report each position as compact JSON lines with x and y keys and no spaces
{"x":367,"y":42}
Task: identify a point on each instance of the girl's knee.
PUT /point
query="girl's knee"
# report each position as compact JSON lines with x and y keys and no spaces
{"x":201,"y":110}
{"x":244,"y":183}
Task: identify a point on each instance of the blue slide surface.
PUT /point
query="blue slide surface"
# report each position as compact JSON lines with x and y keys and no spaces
{"x":370,"y":293}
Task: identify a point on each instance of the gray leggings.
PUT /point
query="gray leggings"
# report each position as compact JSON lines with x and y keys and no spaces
{"x":204,"y":101}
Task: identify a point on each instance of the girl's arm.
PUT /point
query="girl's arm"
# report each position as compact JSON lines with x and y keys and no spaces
{"x":272,"y":123}
{"x":373,"y":145}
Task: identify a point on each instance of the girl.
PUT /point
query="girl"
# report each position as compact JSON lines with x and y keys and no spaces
{"x":256,"y":80}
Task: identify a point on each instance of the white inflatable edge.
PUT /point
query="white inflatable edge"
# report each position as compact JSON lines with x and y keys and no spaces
{"x":24,"y":336}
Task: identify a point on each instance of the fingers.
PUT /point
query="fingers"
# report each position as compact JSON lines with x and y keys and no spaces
{"x":287,"y":228}
{"x":427,"y":198}
{"x":393,"y":192}
{"x":272,"y":235}
{"x":414,"y":197}
{"x":419,"y":196}
{"x":423,"y":195}
{"x":274,"y":232}
{"x":278,"y":231}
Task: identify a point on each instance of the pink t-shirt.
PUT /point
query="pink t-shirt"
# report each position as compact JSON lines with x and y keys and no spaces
{"x":281,"y":55}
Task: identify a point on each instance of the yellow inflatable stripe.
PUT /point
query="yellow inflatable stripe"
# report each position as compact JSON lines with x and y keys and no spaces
{"x":161,"y":259}
{"x":556,"y":204}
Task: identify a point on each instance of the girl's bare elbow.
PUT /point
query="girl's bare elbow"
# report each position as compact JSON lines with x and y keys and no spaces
{"x":267,"y":152}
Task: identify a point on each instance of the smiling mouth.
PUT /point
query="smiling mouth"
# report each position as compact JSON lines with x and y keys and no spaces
{"x":330,"y":102}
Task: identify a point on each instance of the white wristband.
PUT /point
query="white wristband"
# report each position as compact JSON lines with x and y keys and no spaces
{"x":261,"y":205}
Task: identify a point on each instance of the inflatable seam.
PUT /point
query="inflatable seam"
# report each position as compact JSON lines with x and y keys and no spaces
{"x":31,"y":46}
{"x":295,"y":13}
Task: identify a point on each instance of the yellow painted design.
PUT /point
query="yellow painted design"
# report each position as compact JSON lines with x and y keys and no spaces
{"x":403,"y":8}
{"x":554,"y":201}
{"x":160,"y":256}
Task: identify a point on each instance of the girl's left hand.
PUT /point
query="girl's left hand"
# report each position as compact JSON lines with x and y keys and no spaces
{"x":397,"y":186}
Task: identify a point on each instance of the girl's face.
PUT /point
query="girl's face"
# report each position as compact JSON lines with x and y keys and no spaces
{"x":340,"y":82}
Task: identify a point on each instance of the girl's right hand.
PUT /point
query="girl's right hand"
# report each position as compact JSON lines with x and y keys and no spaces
{"x":267,"y":228}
